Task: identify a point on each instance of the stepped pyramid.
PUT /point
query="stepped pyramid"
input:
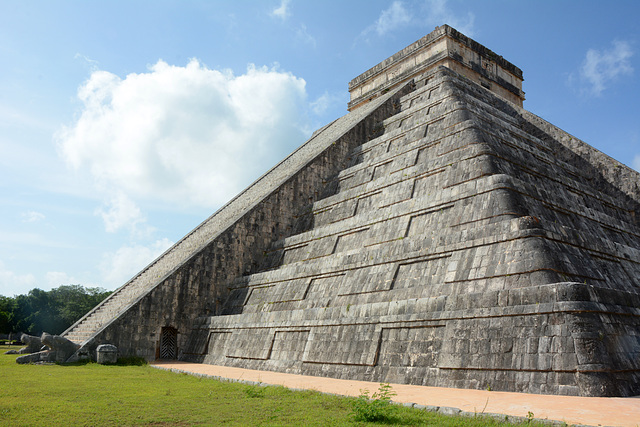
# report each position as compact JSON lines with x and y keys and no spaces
{"x":437,"y":234}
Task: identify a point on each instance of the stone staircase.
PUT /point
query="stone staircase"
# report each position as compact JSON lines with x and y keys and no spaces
{"x":115,"y":304}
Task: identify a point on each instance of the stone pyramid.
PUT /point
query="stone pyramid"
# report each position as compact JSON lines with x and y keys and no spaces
{"x":437,"y":234}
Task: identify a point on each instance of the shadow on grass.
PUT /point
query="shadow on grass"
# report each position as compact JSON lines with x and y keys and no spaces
{"x":122,"y":361}
{"x":132,"y":361}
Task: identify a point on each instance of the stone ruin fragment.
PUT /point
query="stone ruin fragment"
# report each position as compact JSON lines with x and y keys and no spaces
{"x":50,"y":348}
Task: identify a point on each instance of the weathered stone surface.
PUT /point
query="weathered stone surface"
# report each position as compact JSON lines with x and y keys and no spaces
{"x":106,"y":354}
{"x":33,"y":344}
{"x":437,"y":235}
{"x":57,"y":349}
{"x":442,"y":47}
{"x":447,"y":410}
{"x":40,"y":356}
{"x":63,"y":347}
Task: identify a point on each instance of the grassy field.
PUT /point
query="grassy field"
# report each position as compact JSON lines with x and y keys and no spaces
{"x":96,"y":395}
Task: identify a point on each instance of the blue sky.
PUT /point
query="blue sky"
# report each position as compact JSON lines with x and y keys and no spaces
{"x":124,"y":124}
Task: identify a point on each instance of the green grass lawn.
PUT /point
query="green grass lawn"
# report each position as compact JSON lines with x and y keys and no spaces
{"x":96,"y":395}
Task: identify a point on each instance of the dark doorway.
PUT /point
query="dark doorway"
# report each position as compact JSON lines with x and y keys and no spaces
{"x":169,"y":343}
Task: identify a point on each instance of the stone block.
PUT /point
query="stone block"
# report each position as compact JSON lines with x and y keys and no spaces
{"x":106,"y":354}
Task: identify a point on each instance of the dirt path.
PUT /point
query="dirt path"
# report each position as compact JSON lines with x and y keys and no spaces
{"x":593,"y":411}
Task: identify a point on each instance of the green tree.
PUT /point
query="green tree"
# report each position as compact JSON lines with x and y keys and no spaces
{"x":44,"y":316}
{"x":48,"y":311}
{"x":74,"y":301}
{"x":6,"y":308}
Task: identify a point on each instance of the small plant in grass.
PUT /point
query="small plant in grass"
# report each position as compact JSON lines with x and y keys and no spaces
{"x":376,"y":407}
{"x":254,"y":391}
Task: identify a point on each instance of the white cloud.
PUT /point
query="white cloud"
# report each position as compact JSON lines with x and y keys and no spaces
{"x":121,"y":213}
{"x":186,"y":136}
{"x":15,"y":284}
{"x":327,"y":100}
{"x":32,"y":216}
{"x":428,"y":14}
{"x":600,"y":68}
{"x":303,"y":35}
{"x":282,"y":11}
{"x":120,"y":266}
{"x":390,"y":19}
{"x":92,"y":64}
{"x":438,"y":13}
{"x":57,"y":278}
{"x":636,"y":163}
{"x":393,"y":17}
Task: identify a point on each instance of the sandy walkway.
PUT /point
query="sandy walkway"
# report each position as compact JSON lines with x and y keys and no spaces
{"x":594,"y":411}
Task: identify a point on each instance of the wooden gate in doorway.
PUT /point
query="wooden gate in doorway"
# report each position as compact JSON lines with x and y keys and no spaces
{"x":169,"y":343}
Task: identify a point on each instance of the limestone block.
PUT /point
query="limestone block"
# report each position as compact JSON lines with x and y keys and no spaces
{"x":106,"y":354}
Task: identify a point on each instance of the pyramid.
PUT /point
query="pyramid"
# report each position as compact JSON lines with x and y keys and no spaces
{"x":438,"y":234}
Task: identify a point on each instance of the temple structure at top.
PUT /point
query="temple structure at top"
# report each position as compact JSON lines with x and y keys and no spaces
{"x":447,"y":47}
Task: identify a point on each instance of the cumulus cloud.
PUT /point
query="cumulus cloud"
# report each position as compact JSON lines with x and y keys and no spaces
{"x":636,"y":163}
{"x":12,"y":283}
{"x":602,"y":67}
{"x":185,"y":136}
{"x":32,"y":216}
{"x":282,"y":11}
{"x":120,"y":266}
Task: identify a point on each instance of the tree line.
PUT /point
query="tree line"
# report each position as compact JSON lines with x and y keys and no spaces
{"x":48,"y":311}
